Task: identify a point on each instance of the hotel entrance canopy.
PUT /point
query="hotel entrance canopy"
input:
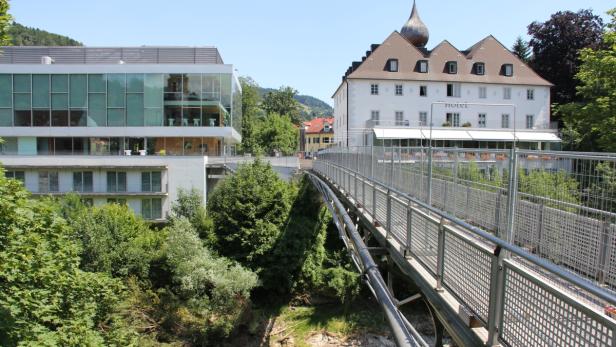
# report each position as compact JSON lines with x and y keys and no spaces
{"x":461,"y":134}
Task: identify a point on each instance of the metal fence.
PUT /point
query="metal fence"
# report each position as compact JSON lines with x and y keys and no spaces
{"x":455,"y":211}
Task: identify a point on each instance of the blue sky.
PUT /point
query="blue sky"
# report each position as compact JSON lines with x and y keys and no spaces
{"x":305,"y":44}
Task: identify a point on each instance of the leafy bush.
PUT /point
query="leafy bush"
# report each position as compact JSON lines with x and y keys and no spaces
{"x":190,"y":206}
{"x":45,"y":298}
{"x":249,"y":209}
{"x":214,"y":290}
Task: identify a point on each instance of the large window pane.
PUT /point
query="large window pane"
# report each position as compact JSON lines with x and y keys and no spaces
{"x":97,"y":110}
{"x":146,"y":182}
{"x":225,"y":90}
{"x":173,"y":87}
{"x":22,"y":119}
{"x":48,"y":181}
{"x":134,"y":110}
{"x":121,"y":182}
{"x":81,"y":146}
{"x":6,"y":90}
{"x":156,"y":181}
{"x":157,"y":209}
{"x":59,"y":83}
{"x":192,"y":87}
{"x":77,"y":182}
{"x":79,"y":91}
{"x":6,"y":117}
{"x":154,"y":117}
{"x":88,"y":184}
{"x":9,"y":146}
{"x":211,"y":87}
{"x":44,"y":145}
{"x":153,"y":90}
{"x":112,"y":185}
{"x":41,"y":118}
{"x":136,"y":144}
{"x":21,"y":83}
{"x":116,"y":90}
{"x":134,"y":83}
{"x":173,"y":115}
{"x":78,"y":118}
{"x":146,"y":209}
{"x":99,"y":145}
{"x":174,"y":146}
{"x":64,"y":145}
{"x":115,"y":118}
{"x":155,"y":146}
{"x":59,"y":101}
{"x":22,"y":101}
{"x":192,"y":117}
{"x":40,"y":91}
{"x":193,"y":146}
{"x":96,"y":84}
{"x":116,"y":145}
{"x":59,"y":118}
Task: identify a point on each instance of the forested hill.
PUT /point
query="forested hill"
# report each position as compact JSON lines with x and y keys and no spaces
{"x":311,"y":106}
{"x":27,"y":36}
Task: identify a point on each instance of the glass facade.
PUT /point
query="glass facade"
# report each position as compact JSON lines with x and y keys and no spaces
{"x":119,"y":99}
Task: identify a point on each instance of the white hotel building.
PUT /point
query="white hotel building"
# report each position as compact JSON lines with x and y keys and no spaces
{"x":477,"y":98}
{"x":126,"y":125}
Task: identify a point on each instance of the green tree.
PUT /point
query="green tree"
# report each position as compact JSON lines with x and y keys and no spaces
{"x":26,"y":36}
{"x":5,"y":23}
{"x":282,"y":102}
{"x":189,"y":205}
{"x":45,"y":298}
{"x":278,"y":134}
{"x":591,"y":123}
{"x":521,"y":49}
{"x":250,"y":113}
{"x":214,"y":291}
{"x":248,"y":209}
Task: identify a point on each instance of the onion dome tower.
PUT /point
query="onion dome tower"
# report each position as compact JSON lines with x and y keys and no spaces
{"x":415,"y":30}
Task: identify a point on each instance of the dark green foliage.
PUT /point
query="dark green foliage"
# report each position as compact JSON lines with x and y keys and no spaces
{"x":311,"y":107}
{"x":277,"y":134}
{"x":282,"y":102}
{"x":27,"y":36}
{"x":521,"y":50}
{"x":114,"y":240}
{"x":250,"y":114}
{"x":248,"y":209}
{"x":556,"y":44}
{"x":45,"y":298}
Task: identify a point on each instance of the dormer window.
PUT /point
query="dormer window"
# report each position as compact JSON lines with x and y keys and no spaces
{"x":392,"y":65}
{"x":508,"y":70}
{"x":480,"y":69}
{"x":452,"y":67}
{"x":422,"y":66}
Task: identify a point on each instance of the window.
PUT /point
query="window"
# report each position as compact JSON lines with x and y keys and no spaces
{"x":482,"y":120}
{"x":116,"y":201}
{"x":392,"y":65}
{"x":374,"y":89}
{"x":423,"y":90}
{"x":453,"y":119}
{"x":398,"y":89}
{"x":308,"y":140}
{"x":317,"y":140}
{"x":116,"y":181}
{"x":508,"y":70}
{"x":82,"y":181}
{"x":507,"y":93}
{"x":453,"y":90}
{"x":16,"y":175}
{"x":151,"y":181}
{"x":423,"y":119}
{"x":374,"y":117}
{"x":483,"y":93}
{"x":452,"y":67}
{"x":480,"y":68}
{"x":151,"y":208}
{"x":422,"y":66}
{"x":530,"y":121}
{"x":399,"y":118}
{"x":530,"y":94}
{"x":48,"y":181}
{"x":326,"y":140}
{"x":504,"y":120}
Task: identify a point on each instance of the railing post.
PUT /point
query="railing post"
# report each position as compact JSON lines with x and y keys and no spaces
{"x":388,"y":231}
{"x":440,"y":257}
{"x":429,"y":200}
{"x":391,"y":168}
{"x":363,"y":193}
{"x":409,"y":229}
{"x":455,"y":182}
{"x":373,"y":201}
{"x":497,"y":293}
{"x":604,"y":251}
{"x":512,"y":193}
{"x":372,"y":162}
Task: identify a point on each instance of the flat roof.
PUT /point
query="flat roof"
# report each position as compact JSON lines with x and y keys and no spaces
{"x":465,"y":134}
{"x":110,"y":55}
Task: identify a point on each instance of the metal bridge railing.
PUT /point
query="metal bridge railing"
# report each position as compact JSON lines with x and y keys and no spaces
{"x":456,"y":222}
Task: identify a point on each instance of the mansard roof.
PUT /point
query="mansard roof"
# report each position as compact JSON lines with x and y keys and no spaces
{"x":489,"y":51}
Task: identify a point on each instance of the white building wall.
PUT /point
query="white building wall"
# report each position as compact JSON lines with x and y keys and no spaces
{"x":361,"y":103}
{"x":340,"y":115}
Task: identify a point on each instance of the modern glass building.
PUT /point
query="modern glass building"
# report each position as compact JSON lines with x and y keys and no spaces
{"x":101,"y":103}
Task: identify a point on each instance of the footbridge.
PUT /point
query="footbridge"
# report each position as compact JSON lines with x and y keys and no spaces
{"x":507,"y":247}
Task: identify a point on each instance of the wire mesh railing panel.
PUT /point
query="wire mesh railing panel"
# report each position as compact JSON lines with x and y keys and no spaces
{"x":369,"y":197}
{"x":424,"y":239}
{"x":528,"y":225}
{"x":467,"y":272}
{"x":537,"y":314}
{"x":398,"y":219}
{"x":381,"y":206}
{"x":572,"y":240}
{"x":482,"y":208}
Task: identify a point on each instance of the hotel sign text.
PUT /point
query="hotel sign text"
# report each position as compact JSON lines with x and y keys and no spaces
{"x":456,"y":105}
